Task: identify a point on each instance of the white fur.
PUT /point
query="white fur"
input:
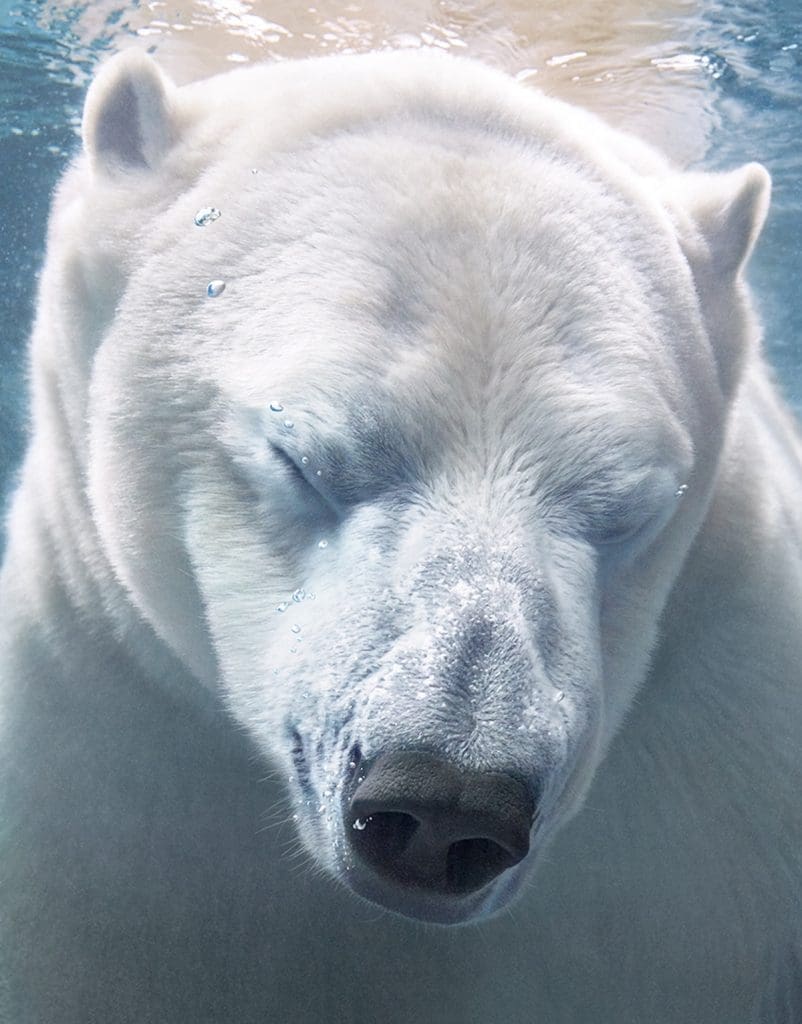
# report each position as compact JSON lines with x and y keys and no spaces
{"x":517,"y":348}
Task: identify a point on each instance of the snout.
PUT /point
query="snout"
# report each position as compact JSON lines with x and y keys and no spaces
{"x":427,"y":835}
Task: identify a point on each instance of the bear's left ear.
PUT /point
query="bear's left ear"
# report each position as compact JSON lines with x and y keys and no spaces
{"x":128,"y":121}
{"x":728,"y":211}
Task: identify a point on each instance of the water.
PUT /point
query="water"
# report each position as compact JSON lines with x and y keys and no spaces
{"x":713,"y":82}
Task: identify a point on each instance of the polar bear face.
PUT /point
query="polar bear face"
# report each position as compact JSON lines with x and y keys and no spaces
{"x":419,"y":479}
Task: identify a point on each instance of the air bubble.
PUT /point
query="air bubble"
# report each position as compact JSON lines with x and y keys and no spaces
{"x":318,"y":472}
{"x":207,"y":215}
{"x":360,"y":824}
{"x":215,"y":288}
{"x":289,"y":424}
{"x":322,"y":544}
{"x":298,"y":595}
{"x":680,"y":490}
{"x":295,"y":628}
{"x":283,"y":606}
{"x":276,"y":407}
{"x":558,"y":696}
{"x":304,"y":460}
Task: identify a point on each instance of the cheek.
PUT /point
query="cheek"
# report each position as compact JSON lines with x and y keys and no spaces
{"x":241,"y":573}
{"x":135,"y":488}
{"x":287,"y":619}
{"x":632,"y":605}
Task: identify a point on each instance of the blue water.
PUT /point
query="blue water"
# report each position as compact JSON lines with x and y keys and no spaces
{"x":748,"y":55}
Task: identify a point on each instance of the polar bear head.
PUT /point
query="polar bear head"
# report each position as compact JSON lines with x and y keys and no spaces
{"x":403,"y":451}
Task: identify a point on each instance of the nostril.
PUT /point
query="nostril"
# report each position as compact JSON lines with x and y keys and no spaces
{"x":422,"y":822}
{"x":472,"y":863}
{"x":380,"y":838}
{"x":400,"y":847}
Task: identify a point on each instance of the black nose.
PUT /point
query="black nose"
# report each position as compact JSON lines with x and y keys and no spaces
{"x":420,"y":821}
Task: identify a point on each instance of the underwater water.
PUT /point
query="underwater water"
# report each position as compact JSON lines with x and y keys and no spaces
{"x":713,"y":83}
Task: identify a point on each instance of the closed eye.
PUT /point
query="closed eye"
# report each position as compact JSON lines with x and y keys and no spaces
{"x":290,"y":465}
{"x":310,"y":483}
{"x":637,"y":523}
{"x":625,"y":532}
{"x":615,"y":521}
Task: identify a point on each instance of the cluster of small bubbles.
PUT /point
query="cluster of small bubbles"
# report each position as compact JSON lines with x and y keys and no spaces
{"x":276,"y":407}
{"x":322,"y":544}
{"x":680,"y":490}
{"x":289,"y":424}
{"x":215,"y":288}
{"x":207,"y":215}
{"x":714,"y":64}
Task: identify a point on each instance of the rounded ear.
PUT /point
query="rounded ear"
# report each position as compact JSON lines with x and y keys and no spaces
{"x":128,"y":119}
{"x":728,"y":211}
{"x":718,"y":218}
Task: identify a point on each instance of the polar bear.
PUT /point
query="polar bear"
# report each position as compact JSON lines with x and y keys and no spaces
{"x":405,"y":477}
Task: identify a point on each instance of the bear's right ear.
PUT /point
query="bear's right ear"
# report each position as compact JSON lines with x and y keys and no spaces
{"x":128,"y":121}
{"x":728,"y":211}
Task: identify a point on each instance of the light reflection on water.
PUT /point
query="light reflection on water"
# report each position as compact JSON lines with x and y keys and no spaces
{"x":714,"y":82}
{"x":622,"y":59}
